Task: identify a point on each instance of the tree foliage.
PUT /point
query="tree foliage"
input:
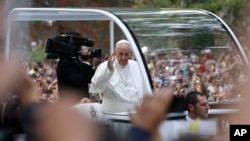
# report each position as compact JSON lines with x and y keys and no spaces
{"x":229,"y":10}
{"x":233,"y":12}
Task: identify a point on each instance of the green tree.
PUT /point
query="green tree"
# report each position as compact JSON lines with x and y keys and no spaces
{"x":229,"y":10}
{"x":234,"y":12}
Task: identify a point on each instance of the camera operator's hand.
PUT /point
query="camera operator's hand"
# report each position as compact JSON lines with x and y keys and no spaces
{"x":111,"y":61}
{"x":92,"y":62}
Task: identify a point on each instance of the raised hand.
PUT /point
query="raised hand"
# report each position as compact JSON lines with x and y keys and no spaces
{"x":153,"y":109}
{"x":111,"y":60}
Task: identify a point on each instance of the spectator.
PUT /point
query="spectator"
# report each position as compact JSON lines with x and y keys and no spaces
{"x":149,"y":115}
{"x":22,"y":107}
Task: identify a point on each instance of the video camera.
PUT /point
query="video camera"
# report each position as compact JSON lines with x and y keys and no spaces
{"x":64,"y":45}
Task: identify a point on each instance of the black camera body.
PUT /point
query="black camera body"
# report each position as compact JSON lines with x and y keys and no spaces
{"x":95,"y":53}
{"x":63,"y":45}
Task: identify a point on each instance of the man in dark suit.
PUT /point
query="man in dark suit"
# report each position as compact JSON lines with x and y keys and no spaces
{"x":74,"y":74}
{"x":197,"y":106}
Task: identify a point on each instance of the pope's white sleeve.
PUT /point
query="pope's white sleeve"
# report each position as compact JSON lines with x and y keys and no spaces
{"x":101,"y":77}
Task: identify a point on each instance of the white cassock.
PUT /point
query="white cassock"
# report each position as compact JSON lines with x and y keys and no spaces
{"x":121,"y":88}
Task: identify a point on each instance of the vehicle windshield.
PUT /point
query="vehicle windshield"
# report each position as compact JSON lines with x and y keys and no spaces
{"x":190,"y":49}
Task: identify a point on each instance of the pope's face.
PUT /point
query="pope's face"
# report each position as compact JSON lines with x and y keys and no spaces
{"x":123,"y":53}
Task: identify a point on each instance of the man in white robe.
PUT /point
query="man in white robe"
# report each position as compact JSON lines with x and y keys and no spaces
{"x":120,"y":80}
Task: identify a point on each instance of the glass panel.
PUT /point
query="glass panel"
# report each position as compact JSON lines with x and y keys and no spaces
{"x":178,"y":46}
{"x":189,"y":49}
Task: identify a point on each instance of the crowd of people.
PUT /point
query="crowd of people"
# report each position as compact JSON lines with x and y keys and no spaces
{"x":30,"y":95}
{"x":219,"y":76}
{"x":45,"y":78}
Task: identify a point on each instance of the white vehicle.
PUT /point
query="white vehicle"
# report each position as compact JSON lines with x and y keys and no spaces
{"x":163,"y":41}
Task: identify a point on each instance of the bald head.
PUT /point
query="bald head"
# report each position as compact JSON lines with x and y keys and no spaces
{"x":123,"y":52}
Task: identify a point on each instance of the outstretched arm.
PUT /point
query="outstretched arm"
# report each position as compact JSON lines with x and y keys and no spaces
{"x":149,"y":115}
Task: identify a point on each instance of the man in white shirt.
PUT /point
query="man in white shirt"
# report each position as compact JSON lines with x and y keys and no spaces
{"x":120,"y":80}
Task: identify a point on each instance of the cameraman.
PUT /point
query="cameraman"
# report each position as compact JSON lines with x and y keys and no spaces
{"x":74,"y":75}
